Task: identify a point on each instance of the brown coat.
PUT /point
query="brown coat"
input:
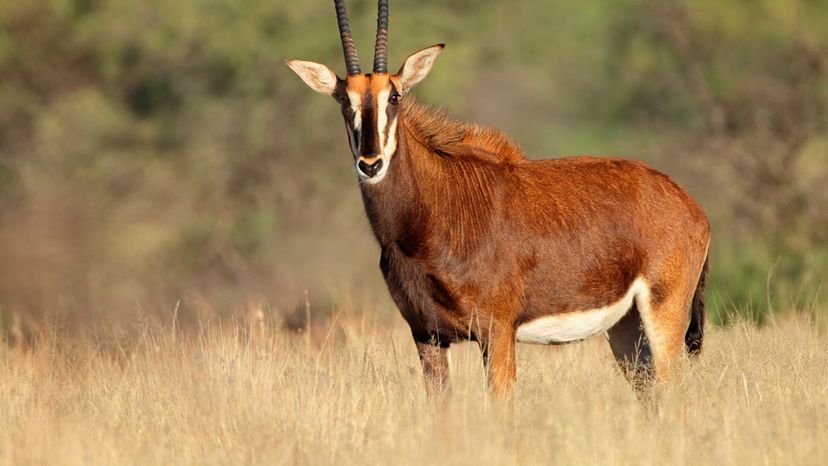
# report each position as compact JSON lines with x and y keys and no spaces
{"x":476,"y":236}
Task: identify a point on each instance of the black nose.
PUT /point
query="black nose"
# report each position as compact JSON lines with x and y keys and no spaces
{"x":370,"y":170}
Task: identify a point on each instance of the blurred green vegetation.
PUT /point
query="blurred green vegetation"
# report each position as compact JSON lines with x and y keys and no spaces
{"x":156,"y":154}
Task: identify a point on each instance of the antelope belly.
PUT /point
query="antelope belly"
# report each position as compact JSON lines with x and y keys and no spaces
{"x":577,"y":325}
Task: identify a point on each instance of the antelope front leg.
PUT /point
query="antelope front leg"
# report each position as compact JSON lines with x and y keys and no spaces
{"x":499,"y":357}
{"x":434,"y":357}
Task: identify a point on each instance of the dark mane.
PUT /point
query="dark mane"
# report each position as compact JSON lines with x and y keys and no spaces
{"x":453,"y":138}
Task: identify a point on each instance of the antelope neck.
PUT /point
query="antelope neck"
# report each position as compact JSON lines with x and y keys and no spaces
{"x":396,"y":203}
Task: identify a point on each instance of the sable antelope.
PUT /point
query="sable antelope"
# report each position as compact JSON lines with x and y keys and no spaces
{"x":480,"y":243}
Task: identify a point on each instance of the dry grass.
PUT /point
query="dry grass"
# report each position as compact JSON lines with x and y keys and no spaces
{"x":757,"y":396}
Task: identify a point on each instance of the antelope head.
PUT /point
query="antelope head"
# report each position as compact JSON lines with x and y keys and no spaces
{"x":370,"y":102}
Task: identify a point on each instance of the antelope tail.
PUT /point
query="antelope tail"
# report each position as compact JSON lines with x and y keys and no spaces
{"x":695,"y":332}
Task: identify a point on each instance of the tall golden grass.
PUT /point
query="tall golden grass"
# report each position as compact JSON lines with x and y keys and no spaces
{"x":352,"y":394}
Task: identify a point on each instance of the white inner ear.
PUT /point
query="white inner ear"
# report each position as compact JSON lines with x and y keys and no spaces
{"x":317,"y":76}
{"x":417,"y":67}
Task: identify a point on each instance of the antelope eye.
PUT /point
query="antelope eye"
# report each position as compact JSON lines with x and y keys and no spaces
{"x":394,"y":98}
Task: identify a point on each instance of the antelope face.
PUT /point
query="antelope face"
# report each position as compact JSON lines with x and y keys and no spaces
{"x":370,"y":102}
{"x":370,"y":107}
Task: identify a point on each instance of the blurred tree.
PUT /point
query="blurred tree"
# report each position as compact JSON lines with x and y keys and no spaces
{"x":155,"y":150}
{"x":750,"y":77}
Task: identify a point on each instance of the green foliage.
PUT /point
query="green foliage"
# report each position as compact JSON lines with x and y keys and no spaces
{"x":152,"y":150}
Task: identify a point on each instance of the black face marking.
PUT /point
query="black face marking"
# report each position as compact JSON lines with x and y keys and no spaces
{"x":353,"y":135}
{"x":369,"y":146}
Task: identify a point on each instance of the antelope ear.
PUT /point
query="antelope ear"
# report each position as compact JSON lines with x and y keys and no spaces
{"x":417,"y":66}
{"x":319,"y":77}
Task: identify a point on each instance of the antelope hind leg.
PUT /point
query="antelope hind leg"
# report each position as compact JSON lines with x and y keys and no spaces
{"x":632,"y":350}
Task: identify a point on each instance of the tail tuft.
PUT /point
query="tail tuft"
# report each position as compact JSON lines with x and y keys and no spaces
{"x":695,"y":332}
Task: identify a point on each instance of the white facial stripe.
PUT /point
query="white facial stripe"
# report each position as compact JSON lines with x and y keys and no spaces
{"x":356,"y":106}
{"x":391,"y":145}
{"x":382,"y":117}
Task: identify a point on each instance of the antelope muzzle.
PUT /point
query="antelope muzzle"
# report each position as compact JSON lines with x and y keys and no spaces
{"x":370,"y":169}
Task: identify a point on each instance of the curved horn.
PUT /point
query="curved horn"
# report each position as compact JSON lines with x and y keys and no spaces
{"x":381,"y":47}
{"x":348,"y":47}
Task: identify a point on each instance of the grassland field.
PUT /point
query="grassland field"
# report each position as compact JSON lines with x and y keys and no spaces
{"x":350,"y":392}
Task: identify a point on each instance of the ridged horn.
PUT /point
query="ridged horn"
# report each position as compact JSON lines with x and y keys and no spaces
{"x":348,"y":46}
{"x":381,"y":47}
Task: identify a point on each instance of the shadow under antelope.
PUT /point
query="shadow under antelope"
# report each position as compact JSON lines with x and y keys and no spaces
{"x":480,"y":243}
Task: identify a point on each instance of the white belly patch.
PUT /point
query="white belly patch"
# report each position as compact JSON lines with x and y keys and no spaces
{"x":577,"y":325}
